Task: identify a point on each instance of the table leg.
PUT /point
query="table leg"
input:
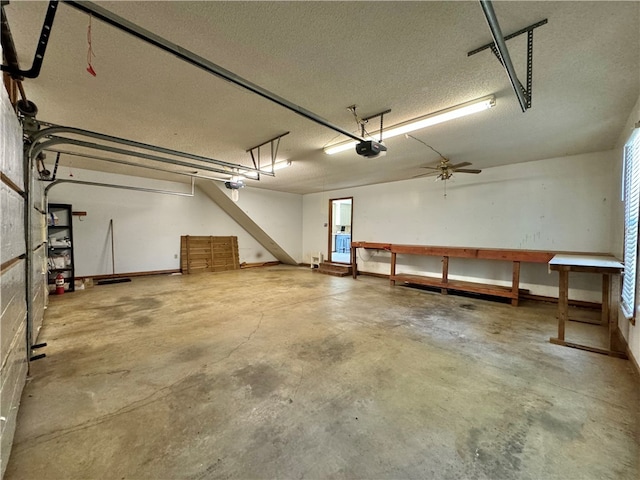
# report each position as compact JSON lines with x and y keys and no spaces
{"x":515,"y":284}
{"x":393,"y":269}
{"x":607,"y":318}
{"x":445,"y":274}
{"x":354,"y":265}
{"x":563,"y":302}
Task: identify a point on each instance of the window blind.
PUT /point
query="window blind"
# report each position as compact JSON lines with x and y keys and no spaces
{"x":631,"y":178}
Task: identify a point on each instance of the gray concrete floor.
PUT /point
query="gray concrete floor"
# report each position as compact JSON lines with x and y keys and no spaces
{"x":284,"y":373}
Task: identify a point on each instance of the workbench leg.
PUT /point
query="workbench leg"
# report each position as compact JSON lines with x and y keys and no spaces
{"x":607,"y":318}
{"x":354,"y":265}
{"x":606,"y":288}
{"x":563,"y":303}
{"x":445,"y":274}
{"x":393,"y":269}
{"x":515,"y":284}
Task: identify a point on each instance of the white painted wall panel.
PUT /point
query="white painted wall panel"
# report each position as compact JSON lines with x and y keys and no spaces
{"x":279,"y":214}
{"x":11,"y":224}
{"x":148,"y":226}
{"x":555,"y":204}
{"x":12,"y":378}
{"x":10,"y":142}
{"x":13,"y":307}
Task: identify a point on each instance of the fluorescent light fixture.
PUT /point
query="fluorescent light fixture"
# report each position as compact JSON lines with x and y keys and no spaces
{"x":276,"y":166}
{"x":265,"y":168}
{"x":445,"y":115}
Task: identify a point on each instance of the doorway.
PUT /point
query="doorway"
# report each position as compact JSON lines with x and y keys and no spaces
{"x":340,"y":229}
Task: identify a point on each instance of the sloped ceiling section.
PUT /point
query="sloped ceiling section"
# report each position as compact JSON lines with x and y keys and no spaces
{"x":410,"y":57}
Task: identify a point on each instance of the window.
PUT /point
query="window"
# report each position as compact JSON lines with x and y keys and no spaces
{"x":631,"y":197}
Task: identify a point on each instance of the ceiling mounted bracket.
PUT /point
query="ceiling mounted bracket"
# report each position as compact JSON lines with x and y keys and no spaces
{"x":8,"y":46}
{"x":370,"y":117}
{"x":499,"y":49}
{"x":255,"y":153}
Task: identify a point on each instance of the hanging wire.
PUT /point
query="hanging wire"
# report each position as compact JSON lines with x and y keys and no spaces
{"x":425,"y":144}
{"x":332,"y":140}
{"x":90,"y":53}
{"x":369,"y":256}
{"x":359,"y":126}
{"x":360,"y":123}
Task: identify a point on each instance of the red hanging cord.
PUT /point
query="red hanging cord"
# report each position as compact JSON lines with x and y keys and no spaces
{"x":90,"y":53}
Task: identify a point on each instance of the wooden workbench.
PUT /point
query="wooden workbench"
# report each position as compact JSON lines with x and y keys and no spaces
{"x":604,"y":265}
{"x":443,"y":282}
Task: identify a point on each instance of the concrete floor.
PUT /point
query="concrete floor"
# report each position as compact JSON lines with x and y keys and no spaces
{"x":283,"y":373}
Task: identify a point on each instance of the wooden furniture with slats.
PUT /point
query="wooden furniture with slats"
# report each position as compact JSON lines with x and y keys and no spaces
{"x":208,"y":254}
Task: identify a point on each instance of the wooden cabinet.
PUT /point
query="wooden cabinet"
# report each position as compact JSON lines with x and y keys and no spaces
{"x":60,"y":245}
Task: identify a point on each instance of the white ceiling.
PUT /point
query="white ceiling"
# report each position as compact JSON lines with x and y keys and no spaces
{"x":410,"y":57}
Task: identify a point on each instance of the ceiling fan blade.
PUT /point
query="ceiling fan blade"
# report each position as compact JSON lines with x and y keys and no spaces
{"x":467,"y":170}
{"x":460,"y":165}
{"x":431,"y":168}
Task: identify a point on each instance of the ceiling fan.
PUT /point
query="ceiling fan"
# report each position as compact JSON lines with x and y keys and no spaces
{"x":443,"y":170}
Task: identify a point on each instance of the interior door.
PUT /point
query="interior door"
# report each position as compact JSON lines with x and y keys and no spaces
{"x":340,"y":229}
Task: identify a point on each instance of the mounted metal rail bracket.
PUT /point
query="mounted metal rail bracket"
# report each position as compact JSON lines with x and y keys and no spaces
{"x":499,"y":49}
{"x":10,"y":51}
{"x":255,"y":154}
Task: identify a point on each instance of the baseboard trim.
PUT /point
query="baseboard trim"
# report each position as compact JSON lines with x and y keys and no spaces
{"x":165,"y":272}
{"x":634,"y":361}
{"x":129,"y":274}
{"x":573,"y":303}
{"x":244,"y":265}
{"x":372,"y":274}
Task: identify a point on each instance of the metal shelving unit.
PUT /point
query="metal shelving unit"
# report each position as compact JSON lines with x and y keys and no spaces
{"x":60,"y":244}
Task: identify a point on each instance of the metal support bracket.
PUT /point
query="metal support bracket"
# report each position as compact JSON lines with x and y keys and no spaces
{"x":366,"y":119}
{"x":523,"y":93}
{"x":8,"y":46}
{"x":255,"y":153}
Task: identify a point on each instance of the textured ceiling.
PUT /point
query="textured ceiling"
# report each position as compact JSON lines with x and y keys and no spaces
{"x":410,"y":57}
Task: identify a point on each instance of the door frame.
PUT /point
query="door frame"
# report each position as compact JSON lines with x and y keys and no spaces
{"x":330,"y":227}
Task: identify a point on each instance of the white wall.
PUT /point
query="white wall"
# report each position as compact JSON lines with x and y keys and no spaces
{"x":630,"y":332}
{"x":555,"y":204}
{"x":148,"y":226}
